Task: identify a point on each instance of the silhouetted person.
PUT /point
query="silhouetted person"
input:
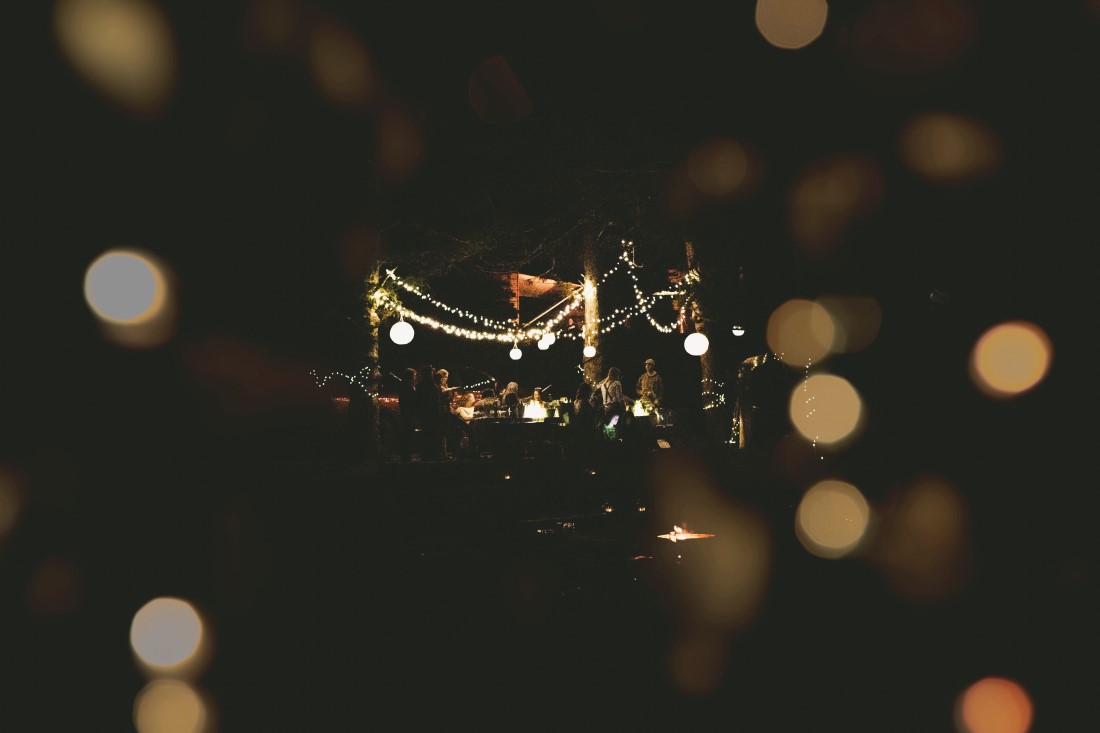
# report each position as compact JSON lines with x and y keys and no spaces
{"x":487,"y":404}
{"x":408,"y":414}
{"x":509,"y":400}
{"x":430,"y":399}
{"x":650,"y":388}
{"x":611,"y":397}
{"x":584,"y":424}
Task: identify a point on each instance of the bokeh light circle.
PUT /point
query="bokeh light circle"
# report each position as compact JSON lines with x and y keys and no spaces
{"x":944,"y":147}
{"x":791,"y":24}
{"x":124,"y":287}
{"x":170,"y":706}
{"x":124,"y":49}
{"x":826,"y":409}
{"x":589,"y":351}
{"x":832,"y":518}
{"x":1010,"y":358}
{"x":800,"y":332}
{"x":166,"y":632}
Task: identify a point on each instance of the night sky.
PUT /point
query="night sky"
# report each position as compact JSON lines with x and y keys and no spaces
{"x":294,"y":144}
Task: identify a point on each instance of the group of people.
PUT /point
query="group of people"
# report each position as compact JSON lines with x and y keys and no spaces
{"x":437,"y":426}
{"x":426,"y":419}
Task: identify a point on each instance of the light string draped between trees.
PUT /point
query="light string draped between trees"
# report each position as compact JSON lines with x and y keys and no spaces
{"x":549,"y":329}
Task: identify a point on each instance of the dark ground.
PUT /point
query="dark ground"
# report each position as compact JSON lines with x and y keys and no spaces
{"x":506,"y":595}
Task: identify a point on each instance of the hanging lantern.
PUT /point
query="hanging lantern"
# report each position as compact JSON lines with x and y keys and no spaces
{"x":696,"y":344}
{"x":589,"y":351}
{"x":543,"y":344}
{"x":515,"y":353}
{"x":549,"y":338}
{"x":738,"y":331}
{"x":401,"y":333}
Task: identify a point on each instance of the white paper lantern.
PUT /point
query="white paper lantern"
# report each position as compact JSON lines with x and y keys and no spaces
{"x":515,"y":353}
{"x":543,"y":344}
{"x":549,"y":338}
{"x":590,"y":351}
{"x":401,"y":333}
{"x":696,"y":344}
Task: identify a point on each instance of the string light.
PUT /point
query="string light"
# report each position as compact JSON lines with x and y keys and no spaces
{"x":548,"y":331}
{"x":362,"y":378}
{"x":481,"y":320}
{"x":809,"y":405}
{"x":712,"y":397}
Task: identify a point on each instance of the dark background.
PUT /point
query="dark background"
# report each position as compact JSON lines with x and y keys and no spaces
{"x":153,"y":472}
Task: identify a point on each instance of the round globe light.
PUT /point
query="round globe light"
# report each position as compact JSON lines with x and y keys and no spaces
{"x":543,"y":344}
{"x":515,"y":353}
{"x":589,"y":351}
{"x":549,"y":338}
{"x":401,"y":333}
{"x":738,"y":331}
{"x":696,"y":344}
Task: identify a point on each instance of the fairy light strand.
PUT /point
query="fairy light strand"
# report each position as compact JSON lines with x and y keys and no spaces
{"x":503,"y":331}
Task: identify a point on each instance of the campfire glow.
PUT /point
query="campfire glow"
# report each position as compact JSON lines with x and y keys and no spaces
{"x":679,"y":534}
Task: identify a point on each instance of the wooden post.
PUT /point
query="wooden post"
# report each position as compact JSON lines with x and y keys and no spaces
{"x":593,"y":367}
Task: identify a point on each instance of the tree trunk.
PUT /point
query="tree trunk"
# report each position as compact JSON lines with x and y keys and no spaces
{"x":373,"y":439}
{"x":593,"y":367}
{"x":715,"y":411}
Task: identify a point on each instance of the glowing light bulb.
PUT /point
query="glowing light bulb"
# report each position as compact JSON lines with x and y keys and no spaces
{"x":401,"y":333}
{"x":515,"y":353}
{"x":738,"y":331}
{"x":590,"y":351}
{"x":696,"y":344}
{"x":543,"y":344}
{"x":549,"y":338}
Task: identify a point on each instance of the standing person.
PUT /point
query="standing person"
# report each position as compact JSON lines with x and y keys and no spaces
{"x":408,"y":410}
{"x":650,"y":388}
{"x":584,"y":424}
{"x":509,"y":399}
{"x":429,"y":396}
{"x":610,"y":391}
{"x":447,"y":417}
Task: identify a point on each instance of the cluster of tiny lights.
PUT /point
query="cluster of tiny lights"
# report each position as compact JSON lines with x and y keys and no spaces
{"x":712,"y":397}
{"x":549,"y":330}
{"x":362,"y":377}
{"x":809,"y":403}
{"x":478,"y":385}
